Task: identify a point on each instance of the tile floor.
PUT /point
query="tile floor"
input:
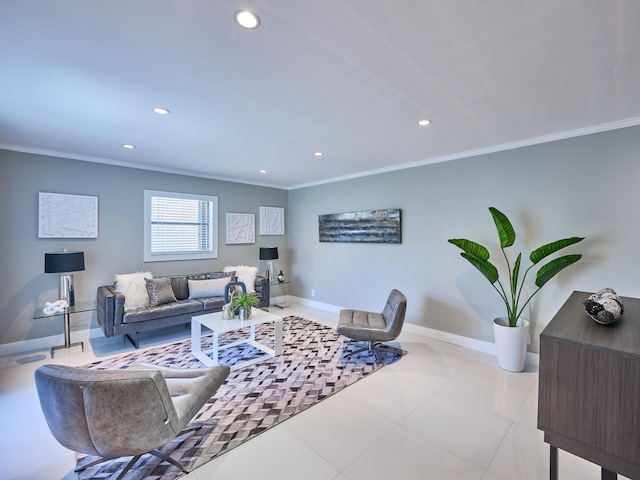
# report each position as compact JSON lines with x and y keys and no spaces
{"x":441,"y":412}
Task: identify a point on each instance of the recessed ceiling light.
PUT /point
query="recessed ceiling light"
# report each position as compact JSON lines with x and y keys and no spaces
{"x":318,"y":154}
{"x":247,"y":19}
{"x":128,"y":146}
{"x":424,"y":123}
{"x":262,"y":170}
{"x":161,"y":111}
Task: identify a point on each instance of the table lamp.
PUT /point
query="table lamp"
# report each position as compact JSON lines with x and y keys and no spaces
{"x":269,"y":253}
{"x":63,"y":263}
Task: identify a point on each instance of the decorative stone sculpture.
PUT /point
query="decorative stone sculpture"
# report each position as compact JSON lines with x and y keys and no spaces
{"x":605,"y":306}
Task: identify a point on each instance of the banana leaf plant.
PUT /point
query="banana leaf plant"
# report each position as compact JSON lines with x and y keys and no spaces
{"x":512,"y":297}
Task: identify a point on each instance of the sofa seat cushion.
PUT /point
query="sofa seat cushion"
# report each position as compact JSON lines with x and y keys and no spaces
{"x":181,"y":307}
{"x":212,"y":303}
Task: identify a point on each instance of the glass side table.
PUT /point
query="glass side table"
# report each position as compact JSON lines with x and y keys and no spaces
{"x":77,"y":308}
{"x":275,"y":284}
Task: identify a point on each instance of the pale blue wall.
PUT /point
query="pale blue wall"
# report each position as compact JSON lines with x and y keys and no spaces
{"x":118,"y":248}
{"x":586,"y":186}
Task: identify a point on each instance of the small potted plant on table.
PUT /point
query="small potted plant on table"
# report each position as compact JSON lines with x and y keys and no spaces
{"x":243,"y":302}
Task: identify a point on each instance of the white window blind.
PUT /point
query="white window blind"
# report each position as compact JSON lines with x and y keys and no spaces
{"x":180,"y":226}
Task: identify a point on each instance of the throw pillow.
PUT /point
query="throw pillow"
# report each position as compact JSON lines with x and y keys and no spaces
{"x":134,"y":289}
{"x":245,"y":274}
{"x":208,"y":288}
{"x":160,"y":291}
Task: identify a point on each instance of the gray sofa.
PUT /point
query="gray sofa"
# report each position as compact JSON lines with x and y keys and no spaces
{"x":114,"y":320}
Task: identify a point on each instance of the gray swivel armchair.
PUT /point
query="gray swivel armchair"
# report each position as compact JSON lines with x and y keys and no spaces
{"x":118,"y":413}
{"x":375,"y":328}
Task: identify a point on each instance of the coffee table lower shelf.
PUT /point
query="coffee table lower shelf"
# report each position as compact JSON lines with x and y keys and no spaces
{"x":215,"y":323}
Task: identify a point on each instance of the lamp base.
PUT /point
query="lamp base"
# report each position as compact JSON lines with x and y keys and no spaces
{"x":269,"y":273}
{"x":65,"y":288}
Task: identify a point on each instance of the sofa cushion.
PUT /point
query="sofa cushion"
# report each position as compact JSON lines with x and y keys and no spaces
{"x":181,"y":307}
{"x":134,"y":289}
{"x":246,"y":275}
{"x":208,"y":288}
{"x":160,"y":291}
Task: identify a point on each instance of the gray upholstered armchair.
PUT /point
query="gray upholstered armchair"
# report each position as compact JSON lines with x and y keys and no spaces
{"x":373,"y":327}
{"x":117,"y":413}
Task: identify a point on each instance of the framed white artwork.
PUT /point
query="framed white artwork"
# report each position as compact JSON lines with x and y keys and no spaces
{"x":67,"y":216}
{"x":241,"y":228}
{"x":271,"y":221}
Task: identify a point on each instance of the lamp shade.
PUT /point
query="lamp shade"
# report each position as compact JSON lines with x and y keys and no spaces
{"x":62,"y":262}
{"x":268,"y":253}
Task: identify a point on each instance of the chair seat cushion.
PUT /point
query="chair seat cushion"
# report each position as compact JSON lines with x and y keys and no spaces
{"x":363,"y":326}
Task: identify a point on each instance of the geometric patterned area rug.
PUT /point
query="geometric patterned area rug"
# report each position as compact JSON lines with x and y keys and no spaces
{"x":252,"y":400}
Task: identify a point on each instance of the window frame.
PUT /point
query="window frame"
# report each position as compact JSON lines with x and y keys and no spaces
{"x":148,"y":256}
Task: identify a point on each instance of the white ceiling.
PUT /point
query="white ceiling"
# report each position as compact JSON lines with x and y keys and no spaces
{"x":349,"y":78}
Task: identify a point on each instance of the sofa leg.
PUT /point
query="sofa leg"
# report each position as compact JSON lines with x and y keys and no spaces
{"x":134,"y":341}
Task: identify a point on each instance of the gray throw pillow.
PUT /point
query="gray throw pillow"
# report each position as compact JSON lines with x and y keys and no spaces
{"x":160,"y":291}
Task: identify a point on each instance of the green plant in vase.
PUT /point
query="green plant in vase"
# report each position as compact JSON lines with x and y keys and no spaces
{"x":246,"y":301}
{"x":514,"y":298}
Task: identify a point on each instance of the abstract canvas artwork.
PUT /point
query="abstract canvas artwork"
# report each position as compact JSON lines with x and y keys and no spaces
{"x":241,"y":228}
{"x":67,"y":216}
{"x":271,"y":221}
{"x":372,"y":226}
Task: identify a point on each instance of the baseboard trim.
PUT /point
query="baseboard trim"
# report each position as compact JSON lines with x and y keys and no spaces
{"x":455,"y":339}
{"x":45,"y":343}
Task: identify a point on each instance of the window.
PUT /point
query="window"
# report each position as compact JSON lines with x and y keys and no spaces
{"x":179,"y":226}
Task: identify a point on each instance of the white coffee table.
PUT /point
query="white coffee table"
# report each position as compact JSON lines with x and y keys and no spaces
{"x":215,"y":323}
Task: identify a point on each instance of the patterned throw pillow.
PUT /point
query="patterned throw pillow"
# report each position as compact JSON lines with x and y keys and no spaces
{"x":160,"y":291}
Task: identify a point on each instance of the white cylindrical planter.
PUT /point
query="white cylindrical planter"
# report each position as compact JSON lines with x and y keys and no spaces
{"x":511,"y":343}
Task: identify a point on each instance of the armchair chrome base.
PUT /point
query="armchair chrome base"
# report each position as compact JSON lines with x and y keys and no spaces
{"x":157,"y":453}
{"x":376,"y":348}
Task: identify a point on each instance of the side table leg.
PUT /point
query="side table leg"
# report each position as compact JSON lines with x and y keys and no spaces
{"x":553,"y":463}
{"x":67,"y":335}
{"x":67,"y":328}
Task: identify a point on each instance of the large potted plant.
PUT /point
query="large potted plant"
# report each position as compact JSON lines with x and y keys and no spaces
{"x":515,"y":298}
{"x":243,"y":302}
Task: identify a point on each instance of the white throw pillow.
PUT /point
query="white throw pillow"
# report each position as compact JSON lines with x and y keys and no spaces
{"x":208,"y":288}
{"x":134,"y":289}
{"x":245,"y":274}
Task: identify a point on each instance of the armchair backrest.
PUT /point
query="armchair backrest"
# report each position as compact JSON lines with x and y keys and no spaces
{"x":108,"y":413}
{"x":394,"y":311}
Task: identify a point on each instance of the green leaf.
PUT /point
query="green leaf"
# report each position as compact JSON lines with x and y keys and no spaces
{"x":551,"y":269}
{"x":546,"y":250}
{"x":485,"y":267}
{"x":515,"y":274}
{"x":472,"y":248}
{"x":505,"y":231}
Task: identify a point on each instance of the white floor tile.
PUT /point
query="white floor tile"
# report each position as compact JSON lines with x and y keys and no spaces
{"x":484,"y":393}
{"x":403,"y":454}
{"x":275,"y":454}
{"x":467,"y":432}
{"x":338,"y":431}
{"x":389,"y":396}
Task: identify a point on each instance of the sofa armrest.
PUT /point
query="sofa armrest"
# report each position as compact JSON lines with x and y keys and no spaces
{"x":110,"y":308}
{"x":261,"y":286}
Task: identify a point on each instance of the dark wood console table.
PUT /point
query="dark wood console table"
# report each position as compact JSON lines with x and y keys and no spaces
{"x":589,"y":388}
